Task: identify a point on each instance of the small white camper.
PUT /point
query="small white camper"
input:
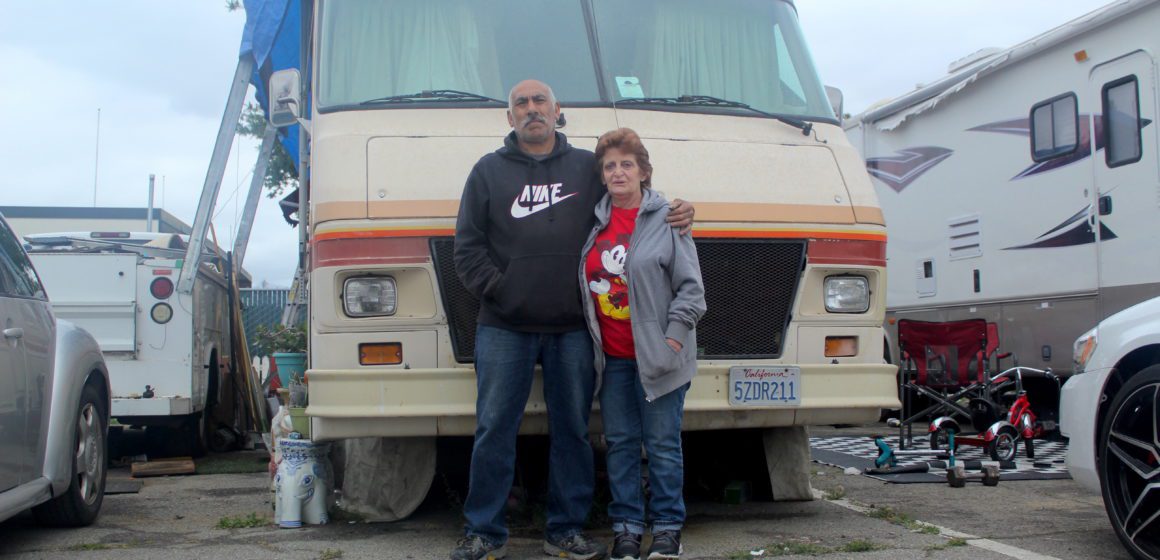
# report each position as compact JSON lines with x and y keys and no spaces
{"x":1023,"y":187}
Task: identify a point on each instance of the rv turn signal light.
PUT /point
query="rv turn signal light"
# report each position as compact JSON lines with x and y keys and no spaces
{"x":841,"y":346}
{"x":380,"y":353}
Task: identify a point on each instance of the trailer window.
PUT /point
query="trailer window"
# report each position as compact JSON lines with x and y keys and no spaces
{"x":1054,"y":127}
{"x":1121,"y":106}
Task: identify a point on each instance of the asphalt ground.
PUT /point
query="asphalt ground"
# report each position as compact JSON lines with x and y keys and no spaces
{"x":854,"y":516}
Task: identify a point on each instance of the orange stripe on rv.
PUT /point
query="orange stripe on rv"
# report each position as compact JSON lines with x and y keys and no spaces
{"x":855,"y":252}
{"x":783,"y":233}
{"x":401,"y":245}
{"x":383,"y":232}
{"x":355,"y":251}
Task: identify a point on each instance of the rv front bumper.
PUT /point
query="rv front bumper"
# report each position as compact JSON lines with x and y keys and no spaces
{"x":430,"y":402}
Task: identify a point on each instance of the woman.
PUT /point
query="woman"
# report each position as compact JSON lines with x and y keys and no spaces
{"x":645,"y":296}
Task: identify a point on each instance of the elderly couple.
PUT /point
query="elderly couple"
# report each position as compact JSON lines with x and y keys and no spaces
{"x":580,"y":265}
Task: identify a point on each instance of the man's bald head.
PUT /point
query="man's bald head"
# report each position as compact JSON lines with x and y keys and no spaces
{"x":529,"y":87}
{"x":532,"y":114}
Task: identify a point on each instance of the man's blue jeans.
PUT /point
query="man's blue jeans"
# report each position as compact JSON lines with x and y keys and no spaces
{"x":504,"y":363}
{"x":629,"y":421}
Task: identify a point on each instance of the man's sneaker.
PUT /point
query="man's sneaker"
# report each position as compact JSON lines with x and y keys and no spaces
{"x":574,"y":547}
{"x":626,"y":546}
{"x":475,"y":547}
{"x":665,"y":544}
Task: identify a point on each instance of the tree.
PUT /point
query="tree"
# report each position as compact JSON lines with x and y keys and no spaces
{"x":281,"y":175}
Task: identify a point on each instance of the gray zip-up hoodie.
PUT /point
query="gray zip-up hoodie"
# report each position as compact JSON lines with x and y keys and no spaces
{"x":666,"y":296}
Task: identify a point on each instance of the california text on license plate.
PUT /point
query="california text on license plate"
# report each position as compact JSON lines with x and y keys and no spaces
{"x":765,"y":385}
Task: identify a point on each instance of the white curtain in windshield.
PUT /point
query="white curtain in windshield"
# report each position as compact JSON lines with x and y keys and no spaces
{"x":402,"y":46}
{"x":710,"y":48}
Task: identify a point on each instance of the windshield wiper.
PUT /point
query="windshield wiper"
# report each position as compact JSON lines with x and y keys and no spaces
{"x":436,"y":95}
{"x":708,"y":100}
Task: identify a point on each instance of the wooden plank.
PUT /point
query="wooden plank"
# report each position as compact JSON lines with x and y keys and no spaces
{"x":161,"y":467}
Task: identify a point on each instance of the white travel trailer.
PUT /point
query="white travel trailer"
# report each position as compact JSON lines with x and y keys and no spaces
{"x":1023,"y":187}
{"x":167,"y":351}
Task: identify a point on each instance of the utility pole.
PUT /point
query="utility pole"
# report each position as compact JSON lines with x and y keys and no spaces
{"x":149,"y":213}
{"x":97,"y":157}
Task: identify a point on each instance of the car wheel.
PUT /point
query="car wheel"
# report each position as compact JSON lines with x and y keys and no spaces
{"x":1005,"y":445}
{"x":81,"y":503}
{"x":1129,"y":463}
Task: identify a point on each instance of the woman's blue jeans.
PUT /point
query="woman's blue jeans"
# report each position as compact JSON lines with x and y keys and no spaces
{"x":629,"y":422}
{"x":504,"y":365}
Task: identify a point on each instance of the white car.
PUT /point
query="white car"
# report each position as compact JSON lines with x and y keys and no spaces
{"x":54,"y":402}
{"x":1109,"y":411}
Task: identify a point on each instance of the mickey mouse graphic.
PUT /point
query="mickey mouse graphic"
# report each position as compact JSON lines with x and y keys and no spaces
{"x":611,"y":285}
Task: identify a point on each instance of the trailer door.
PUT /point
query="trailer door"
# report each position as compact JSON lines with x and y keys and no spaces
{"x":1126,"y":197}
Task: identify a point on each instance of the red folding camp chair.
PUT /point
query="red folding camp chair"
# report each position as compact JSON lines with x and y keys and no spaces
{"x":943,"y":363}
{"x":993,"y":350}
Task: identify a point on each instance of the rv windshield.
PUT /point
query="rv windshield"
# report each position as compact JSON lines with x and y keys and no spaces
{"x":748,"y":51}
{"x":398,"y":53}
{"x":401,"y":48}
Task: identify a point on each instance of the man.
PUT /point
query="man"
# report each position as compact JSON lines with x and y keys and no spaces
{"x":525,"y":213}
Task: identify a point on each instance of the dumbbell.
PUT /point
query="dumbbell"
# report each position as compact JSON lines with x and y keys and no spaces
{"x":957,"y":476}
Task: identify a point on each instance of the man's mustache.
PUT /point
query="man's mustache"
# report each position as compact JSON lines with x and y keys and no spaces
{"x":534,"y":118}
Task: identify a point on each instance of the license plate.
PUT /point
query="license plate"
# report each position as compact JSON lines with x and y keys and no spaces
{"x":765,"y":386}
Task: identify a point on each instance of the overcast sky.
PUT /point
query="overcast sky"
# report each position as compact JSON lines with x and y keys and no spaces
{"x":159,"y":73}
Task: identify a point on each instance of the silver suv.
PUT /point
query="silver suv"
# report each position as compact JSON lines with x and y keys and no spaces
{"x":54,"y":402}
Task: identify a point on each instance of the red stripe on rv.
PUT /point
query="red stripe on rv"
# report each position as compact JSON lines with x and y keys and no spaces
{"x":856,"y":252}
{"x":370,"y":251}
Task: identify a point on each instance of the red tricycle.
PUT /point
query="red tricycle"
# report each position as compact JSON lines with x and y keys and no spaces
{"x":1002,"y":434}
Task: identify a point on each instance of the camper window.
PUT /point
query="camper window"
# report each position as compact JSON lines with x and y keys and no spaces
{"x":1121,"y":106}
{"x":1054,"y":127}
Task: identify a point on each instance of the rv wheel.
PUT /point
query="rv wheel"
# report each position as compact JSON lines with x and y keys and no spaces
{"x":384,"y":479}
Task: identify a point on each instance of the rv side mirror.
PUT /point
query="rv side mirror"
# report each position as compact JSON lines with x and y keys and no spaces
{"x":835,"y":96}
{"x":285,"y":98}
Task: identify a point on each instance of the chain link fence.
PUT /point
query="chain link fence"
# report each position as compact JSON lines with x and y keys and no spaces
{"x":262,"y":307}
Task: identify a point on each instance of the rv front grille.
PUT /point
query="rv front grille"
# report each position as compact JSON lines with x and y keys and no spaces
{"x":750,"y":287}
{"x":460,"y":306}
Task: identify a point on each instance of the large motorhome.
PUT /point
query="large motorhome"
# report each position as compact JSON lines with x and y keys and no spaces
{"x":400,"y":99}
{"x":1023,"y":186}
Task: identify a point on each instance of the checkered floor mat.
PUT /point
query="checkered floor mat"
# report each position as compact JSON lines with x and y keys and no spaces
{"x":859,"y":452}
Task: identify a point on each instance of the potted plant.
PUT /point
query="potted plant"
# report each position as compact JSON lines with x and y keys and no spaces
{"x":286,"y":347}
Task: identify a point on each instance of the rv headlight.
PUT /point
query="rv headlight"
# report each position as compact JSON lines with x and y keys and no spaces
{"x":847,"y":294}
{"x":369,"y":295}
{"x":1083,"y":349}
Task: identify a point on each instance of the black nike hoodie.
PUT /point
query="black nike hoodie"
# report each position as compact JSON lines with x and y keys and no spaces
{"x":522,"y":223}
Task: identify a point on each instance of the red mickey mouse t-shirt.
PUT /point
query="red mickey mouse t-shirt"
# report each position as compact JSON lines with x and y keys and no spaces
{"x":604,"y":268}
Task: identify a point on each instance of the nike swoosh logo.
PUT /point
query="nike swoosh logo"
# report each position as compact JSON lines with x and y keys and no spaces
{"x":521,"y":211}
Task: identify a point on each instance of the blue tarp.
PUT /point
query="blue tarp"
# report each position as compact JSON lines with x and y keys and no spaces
{"x":272,"y":38}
